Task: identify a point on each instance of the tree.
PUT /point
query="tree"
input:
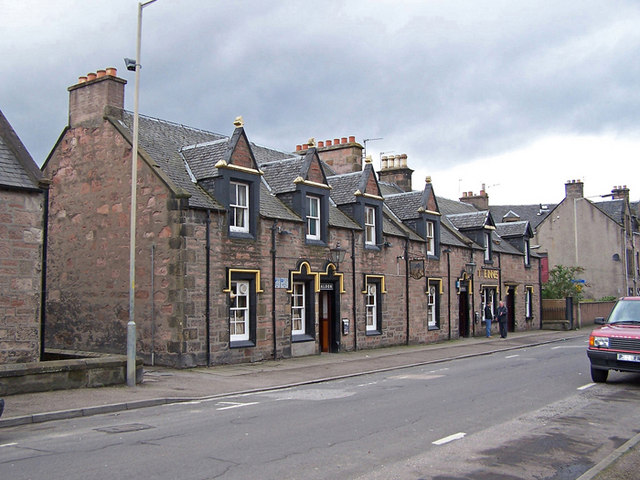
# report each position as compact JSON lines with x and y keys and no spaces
{"x":563,"y":283}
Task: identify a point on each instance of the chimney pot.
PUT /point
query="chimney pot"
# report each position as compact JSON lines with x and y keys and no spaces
{"x":91,"y":76}
{"x":82,"y":79}
{"x":343,"y":140}
{"x":328,"y":143}
{"x":101,"y":73}
{"x":298,"y":148}
{"x":352,"y":139}
{"x":320,"y":144}
{"x":305,"y":147}
{"x":112,"y":71}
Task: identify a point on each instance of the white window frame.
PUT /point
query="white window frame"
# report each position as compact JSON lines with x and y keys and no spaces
{"x":298,"y":309}
{"x":313,"y":220}
{"x":370,"y":225}
{"x":488,"y":296}
{"x":527,"y":252}
{"x":431,"y":241}
{"x":528,"y":302}
{"x":372,"y":307}
{"x":239,"y":311}
{"x":239,"y":210}
{"x":432,"y":298}
{"x":487,"y":247}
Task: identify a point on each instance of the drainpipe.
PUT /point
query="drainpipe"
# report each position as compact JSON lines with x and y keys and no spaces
{"x":406,"y":282}
{"x":448,"y":252}
{"x":273,"y":288}
{"x":207,"y":308}
{"x":353,"y":284}
{"x":43,"y":289}
{"x":153,"y":311}
{"x":540,"y":290}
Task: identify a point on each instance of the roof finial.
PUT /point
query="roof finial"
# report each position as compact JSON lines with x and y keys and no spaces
{"x":428,"y":179}
{"x":239,"y":122}
{"x":368,"y":159}
{"x":311,"y":142}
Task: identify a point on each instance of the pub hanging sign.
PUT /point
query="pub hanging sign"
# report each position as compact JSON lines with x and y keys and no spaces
{"x":416,"y":268}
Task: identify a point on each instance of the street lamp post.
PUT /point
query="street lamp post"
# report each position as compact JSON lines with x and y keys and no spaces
{"x":131,"y":326}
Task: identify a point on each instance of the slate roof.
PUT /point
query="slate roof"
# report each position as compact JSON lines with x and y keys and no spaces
{"x":17,"y":168}
{"x":163,"y":142}
{"x":203,"y":157}
{"x":271,"y":207}
{"x":405,"y":205}
{"x":452,"y":207}
{"x":343,"y":187}
{"x":534,"y":214}
{"x":470,"y":220}
{"x":512,"y":229}
{"x":281,"y":174}
{"x":613,"y":208}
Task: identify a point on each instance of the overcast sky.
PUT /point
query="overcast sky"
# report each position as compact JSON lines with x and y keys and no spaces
{"x":518,"y":95}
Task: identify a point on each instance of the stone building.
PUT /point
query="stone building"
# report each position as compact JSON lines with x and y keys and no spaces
{"x":599,"y":236}
{"x":245,"y":253}
{"x":22,"y":235}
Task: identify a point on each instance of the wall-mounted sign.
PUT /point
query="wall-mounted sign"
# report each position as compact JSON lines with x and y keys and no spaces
{"x":281,"y":282}
{"x":416,"y":268}
{"x":327,"y":286}
{"x":489,"y":273}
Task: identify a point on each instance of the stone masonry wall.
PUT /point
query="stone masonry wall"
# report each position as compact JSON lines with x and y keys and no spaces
{"x":21,"y":239}
{"x":88,"y":267}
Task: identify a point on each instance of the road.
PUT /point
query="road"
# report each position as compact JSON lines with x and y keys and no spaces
{"x":524,"y":414}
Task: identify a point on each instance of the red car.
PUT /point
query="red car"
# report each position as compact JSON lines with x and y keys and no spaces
{"x":616,"y":344}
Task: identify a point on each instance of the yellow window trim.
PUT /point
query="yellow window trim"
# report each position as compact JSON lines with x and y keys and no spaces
{"x":316,"y":277}
{"x":231,"y":271}
{"x":380,"y":277}
{"x":330,"y":265}
{"x":435,"y":280}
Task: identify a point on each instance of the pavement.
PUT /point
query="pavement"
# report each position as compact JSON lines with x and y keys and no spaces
{"x":164,"y":385}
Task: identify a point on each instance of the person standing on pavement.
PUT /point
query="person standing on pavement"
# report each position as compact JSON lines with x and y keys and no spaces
{"x":488,"y":315}
{"x":501,"y":314}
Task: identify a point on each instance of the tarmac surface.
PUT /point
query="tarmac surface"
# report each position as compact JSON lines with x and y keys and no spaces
{"x":163,"y":385}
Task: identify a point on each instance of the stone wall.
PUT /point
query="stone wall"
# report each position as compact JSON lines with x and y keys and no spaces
{"x":21,"y":239}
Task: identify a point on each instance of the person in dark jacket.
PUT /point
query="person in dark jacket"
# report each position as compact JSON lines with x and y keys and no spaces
{"x":488,"y":316}
{"x":501,"y":314}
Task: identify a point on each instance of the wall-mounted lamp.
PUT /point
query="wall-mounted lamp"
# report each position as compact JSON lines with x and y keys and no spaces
{"x":385,"y":244}
{"x":336,"y":255}
{"x":470,"y":268}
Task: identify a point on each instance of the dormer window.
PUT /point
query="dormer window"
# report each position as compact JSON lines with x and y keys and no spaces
{"x":430,"y":238}
{"x":239,"y":207}
{"x":487,"y":246}
{"x":370,"y":225}
{"x":313,"y":218}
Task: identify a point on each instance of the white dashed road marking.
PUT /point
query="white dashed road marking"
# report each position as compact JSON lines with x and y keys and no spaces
{"x":450,"y":438}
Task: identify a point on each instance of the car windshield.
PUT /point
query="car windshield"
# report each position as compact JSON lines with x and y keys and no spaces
{"x":625,"y":311}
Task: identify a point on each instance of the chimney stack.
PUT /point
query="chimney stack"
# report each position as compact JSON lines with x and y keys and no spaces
{"x":481,"y":201}
{"x":343,"y":155}
{"x":620,"y":193}
{"x":574,"y":189}
{"x":93,"y":93}
{"x":394,"y":169}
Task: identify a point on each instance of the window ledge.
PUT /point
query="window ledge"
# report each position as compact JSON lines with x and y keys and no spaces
{"x":242,"y":344}
{"x":373,"y":333}
{"x":302,"y":338}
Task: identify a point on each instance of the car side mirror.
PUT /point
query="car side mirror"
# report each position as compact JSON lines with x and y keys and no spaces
{"x":599,"y":321}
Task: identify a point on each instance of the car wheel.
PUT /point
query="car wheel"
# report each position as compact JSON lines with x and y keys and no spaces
{"x":599,"y":376}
